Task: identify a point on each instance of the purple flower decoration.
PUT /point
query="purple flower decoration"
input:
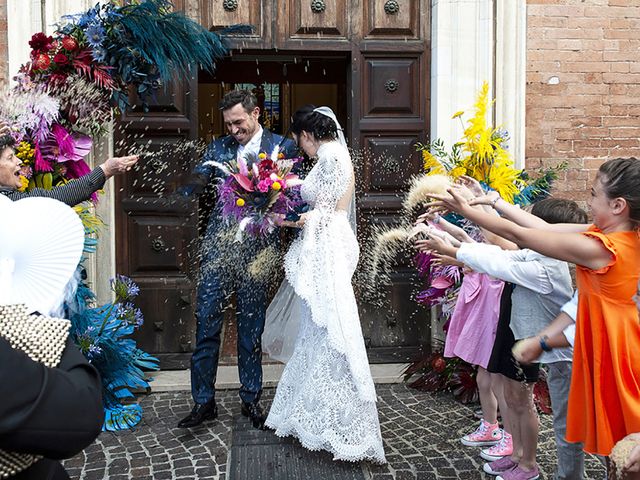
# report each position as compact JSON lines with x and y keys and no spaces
{"x":124,"y":288}
{"x":41,"y":164}
{"x":62,"y":146}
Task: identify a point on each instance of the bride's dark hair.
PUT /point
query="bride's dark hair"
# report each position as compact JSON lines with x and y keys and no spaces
{"x":321,"y":126}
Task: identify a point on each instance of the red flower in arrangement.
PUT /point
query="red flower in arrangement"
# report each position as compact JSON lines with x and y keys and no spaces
{"x":462,"y":383}
{"x":265,"y":168}
{"x":439,"y":364}
{"x":41,"y":61}
{"x":541,"y":396}
{"x":70,"y":44}
{"x":61,"y":59}
{"x":41,"y":42}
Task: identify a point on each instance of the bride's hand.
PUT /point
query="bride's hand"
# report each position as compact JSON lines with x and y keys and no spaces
{"x":281,"y":222}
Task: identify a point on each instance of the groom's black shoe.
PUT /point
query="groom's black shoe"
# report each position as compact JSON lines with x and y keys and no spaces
{"x":254,"y":412}
{"x":200,"y":413}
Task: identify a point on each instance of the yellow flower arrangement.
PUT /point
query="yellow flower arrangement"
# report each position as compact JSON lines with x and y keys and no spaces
{"x":431,"y":164}
{"x":25,"y":152}
{"x":481,"y":153}
{"x":24,"y":183}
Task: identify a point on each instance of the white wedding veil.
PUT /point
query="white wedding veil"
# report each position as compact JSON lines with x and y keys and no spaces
{"x":351,"y":213}
{"x":282,"y":320}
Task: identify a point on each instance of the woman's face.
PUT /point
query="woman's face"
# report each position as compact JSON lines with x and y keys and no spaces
{"x":602,"y":207}
{"x":9,"y":169}
{"x":306,"y":142}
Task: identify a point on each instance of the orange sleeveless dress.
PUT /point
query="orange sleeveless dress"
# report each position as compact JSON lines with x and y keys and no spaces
{"x":604,"y":400}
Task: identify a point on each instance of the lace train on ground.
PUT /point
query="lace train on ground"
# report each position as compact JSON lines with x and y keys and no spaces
{"x":317,"y":401}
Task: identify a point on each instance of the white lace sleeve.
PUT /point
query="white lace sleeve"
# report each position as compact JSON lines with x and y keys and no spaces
{"x":320,"y":263}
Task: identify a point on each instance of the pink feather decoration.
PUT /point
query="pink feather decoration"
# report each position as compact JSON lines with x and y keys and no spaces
{"x":41,"y":164}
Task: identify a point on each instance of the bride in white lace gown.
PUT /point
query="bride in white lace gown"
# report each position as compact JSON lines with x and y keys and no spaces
{"x":326,"y":397}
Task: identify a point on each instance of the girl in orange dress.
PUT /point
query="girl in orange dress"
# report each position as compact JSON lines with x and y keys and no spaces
{"x":604,"y":401}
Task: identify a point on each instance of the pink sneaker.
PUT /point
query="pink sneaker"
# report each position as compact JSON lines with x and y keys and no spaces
{"x":520,"y":474}
{"x":485,"y":434}
{"x":498,"y":467}
{"x":501,"y":449}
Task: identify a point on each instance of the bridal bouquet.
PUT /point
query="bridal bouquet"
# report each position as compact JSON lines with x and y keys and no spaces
{"x":257,"y":191}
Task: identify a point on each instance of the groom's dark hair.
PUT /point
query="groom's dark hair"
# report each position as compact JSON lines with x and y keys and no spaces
{"x":244,"y":97}
{"x":307,"y":119}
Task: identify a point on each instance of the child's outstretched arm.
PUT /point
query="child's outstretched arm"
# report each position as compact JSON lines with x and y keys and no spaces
{"x":570,"y":247}
{"x":522,"y":217}
{"x":557,"y":334}
{"x":453,"y":230}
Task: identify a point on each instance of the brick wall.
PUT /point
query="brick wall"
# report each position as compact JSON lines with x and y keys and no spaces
{"x":583,"y":87}
{"x":4,"y":44}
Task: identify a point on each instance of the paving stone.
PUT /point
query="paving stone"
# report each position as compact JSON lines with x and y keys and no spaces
{"x":420,"y":432}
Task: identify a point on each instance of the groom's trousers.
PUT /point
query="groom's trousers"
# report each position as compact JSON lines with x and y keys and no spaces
{"x":213,"y":297}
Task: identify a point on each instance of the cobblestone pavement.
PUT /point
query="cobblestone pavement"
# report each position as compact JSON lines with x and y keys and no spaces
{"x":420,"y":433}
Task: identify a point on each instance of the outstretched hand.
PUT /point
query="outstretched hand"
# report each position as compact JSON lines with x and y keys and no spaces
{"x":489,"y":198}
{"x":455,"y":201}
{"x":472,"y":184}
{"x":435,"y":243}
{"x":117,"y":165}
{"x":440,"y":260}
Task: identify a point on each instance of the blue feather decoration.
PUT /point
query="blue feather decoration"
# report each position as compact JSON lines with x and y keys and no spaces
{"x":102,"y":334}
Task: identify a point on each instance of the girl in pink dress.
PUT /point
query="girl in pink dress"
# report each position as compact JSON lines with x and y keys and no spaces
{"x":472,"y":331}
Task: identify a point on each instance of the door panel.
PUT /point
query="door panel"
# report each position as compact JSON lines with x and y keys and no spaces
{"x":391,"y":87}
{"x":160,"y":299}
{"x":400,"y":332}
{"x":392,"y":18}
{"x":155,"y":237}
{"x":320,"y":24}
{"x":391,"y":160}
{"x":158,"y":245}
{"x":219,"y":14}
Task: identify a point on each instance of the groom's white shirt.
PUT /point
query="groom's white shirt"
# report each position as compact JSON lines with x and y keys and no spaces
{"x":252,"y":146}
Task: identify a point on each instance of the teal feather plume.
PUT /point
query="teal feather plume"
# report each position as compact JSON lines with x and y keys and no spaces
{"x":168,"y":39}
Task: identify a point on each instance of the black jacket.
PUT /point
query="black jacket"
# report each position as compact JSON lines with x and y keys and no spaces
{"x":54,"y":412}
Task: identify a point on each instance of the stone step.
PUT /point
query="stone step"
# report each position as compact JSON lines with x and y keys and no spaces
{"x":176,"y":380}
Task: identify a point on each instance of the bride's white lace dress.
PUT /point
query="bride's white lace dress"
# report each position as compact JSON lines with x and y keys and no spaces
{"x":326,"y":397}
